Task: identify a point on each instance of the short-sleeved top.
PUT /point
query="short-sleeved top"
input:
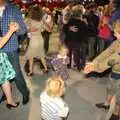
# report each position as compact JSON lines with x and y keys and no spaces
{"x":52,"y":108}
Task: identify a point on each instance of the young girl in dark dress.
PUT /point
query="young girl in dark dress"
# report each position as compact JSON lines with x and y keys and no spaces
{"x":60,"y":62}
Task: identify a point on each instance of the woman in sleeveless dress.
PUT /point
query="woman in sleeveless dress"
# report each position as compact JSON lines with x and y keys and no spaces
{"x":36,"y":46}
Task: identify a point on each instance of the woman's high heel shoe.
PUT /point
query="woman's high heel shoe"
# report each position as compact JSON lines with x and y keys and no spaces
{"x":9,"y":106}
{"x":45,"y":71}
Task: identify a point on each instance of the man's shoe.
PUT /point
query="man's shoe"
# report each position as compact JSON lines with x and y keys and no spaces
{"x":25,"y":100}
{"x":114,"y":117}
{"x":102,"y":105}
{"x":3,"y":98}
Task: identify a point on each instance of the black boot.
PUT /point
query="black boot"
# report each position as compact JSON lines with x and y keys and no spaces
{"x":102,"y":105}
{"x":3,"y":98}
{"x":25,"y":100}
{"x":114,"y":117}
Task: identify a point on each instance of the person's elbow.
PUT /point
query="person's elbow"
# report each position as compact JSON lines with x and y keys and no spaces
{"x":22,"y":31}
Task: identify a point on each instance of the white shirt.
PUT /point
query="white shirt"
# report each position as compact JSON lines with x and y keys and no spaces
{"x":1,"y":10}
{"x":52,"y":108}
{"x":47,"y":19}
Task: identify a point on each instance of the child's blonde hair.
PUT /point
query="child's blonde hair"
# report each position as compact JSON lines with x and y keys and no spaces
{"x":55,"y":86}
{"x":116,"y":26}
{"x":62,"y":49}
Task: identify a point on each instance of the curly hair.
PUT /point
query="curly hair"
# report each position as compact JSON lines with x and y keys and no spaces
{"x":116,"y":26}
{"x":77,"y":11}
{"x":35,"y":13}
{"x":55,"y":86}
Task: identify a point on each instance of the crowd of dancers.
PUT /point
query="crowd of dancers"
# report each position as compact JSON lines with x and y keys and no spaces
{"x":89,"y":38}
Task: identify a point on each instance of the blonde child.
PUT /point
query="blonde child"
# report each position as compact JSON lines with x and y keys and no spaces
{"x":60,"y":62}
{"x":110,"y":58}
{"x":52,"y":105}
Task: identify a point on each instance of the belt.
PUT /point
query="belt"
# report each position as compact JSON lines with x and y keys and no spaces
{"x":115,"y":76}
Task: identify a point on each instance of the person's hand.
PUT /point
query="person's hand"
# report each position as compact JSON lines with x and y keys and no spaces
{"x":89,"y":67}
{"x":73,"y":29}
{"x":13,"y":26}
{"x":33,"y":29}
{"x":85,"y":21}
{"x":43,"y":21}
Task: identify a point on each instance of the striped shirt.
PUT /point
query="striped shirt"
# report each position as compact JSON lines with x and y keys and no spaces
{"x":52,"y":108}
{"x":13,"y":14}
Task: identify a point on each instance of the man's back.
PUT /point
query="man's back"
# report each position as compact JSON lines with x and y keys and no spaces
{"x":93,"y":21}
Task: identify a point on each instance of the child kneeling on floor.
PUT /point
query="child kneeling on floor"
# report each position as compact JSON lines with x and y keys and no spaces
{"x":53,"y":106}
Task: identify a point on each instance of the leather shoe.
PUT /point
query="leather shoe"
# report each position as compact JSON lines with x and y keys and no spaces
{"x":10,"y":106}
{"x":114,"y":117}
{"x":25,"y":100}
{"x":102,"y":105}
{"x":3,"y":98}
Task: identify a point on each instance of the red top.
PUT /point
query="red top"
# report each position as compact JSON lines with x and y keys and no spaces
{"x":104,"y":30}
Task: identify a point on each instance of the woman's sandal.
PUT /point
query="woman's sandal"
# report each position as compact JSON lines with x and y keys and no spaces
{"x":45,"y":71}
{"x":30,"y":74}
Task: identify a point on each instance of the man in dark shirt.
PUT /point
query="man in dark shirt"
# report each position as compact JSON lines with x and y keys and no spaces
{"x":75,"y":36}
{"x":93,"y":21}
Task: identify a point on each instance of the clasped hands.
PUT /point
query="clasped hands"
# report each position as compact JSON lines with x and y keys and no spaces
{"x":13,"y":26}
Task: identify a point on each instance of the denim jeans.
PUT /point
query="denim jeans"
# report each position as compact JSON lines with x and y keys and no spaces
{"x":102,"y":45}
{"x":19,"y":79}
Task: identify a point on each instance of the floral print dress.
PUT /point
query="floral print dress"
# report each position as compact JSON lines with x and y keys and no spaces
{"x":59,"y":65}
{"x":6,"y":70}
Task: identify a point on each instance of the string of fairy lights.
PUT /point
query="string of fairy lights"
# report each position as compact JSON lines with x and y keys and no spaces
{"x":84,"y":2}
{"x":50,"y":1}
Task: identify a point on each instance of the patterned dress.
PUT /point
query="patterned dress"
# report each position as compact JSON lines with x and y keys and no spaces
{"x":6,"y":70}
{"x":59,"y":65}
